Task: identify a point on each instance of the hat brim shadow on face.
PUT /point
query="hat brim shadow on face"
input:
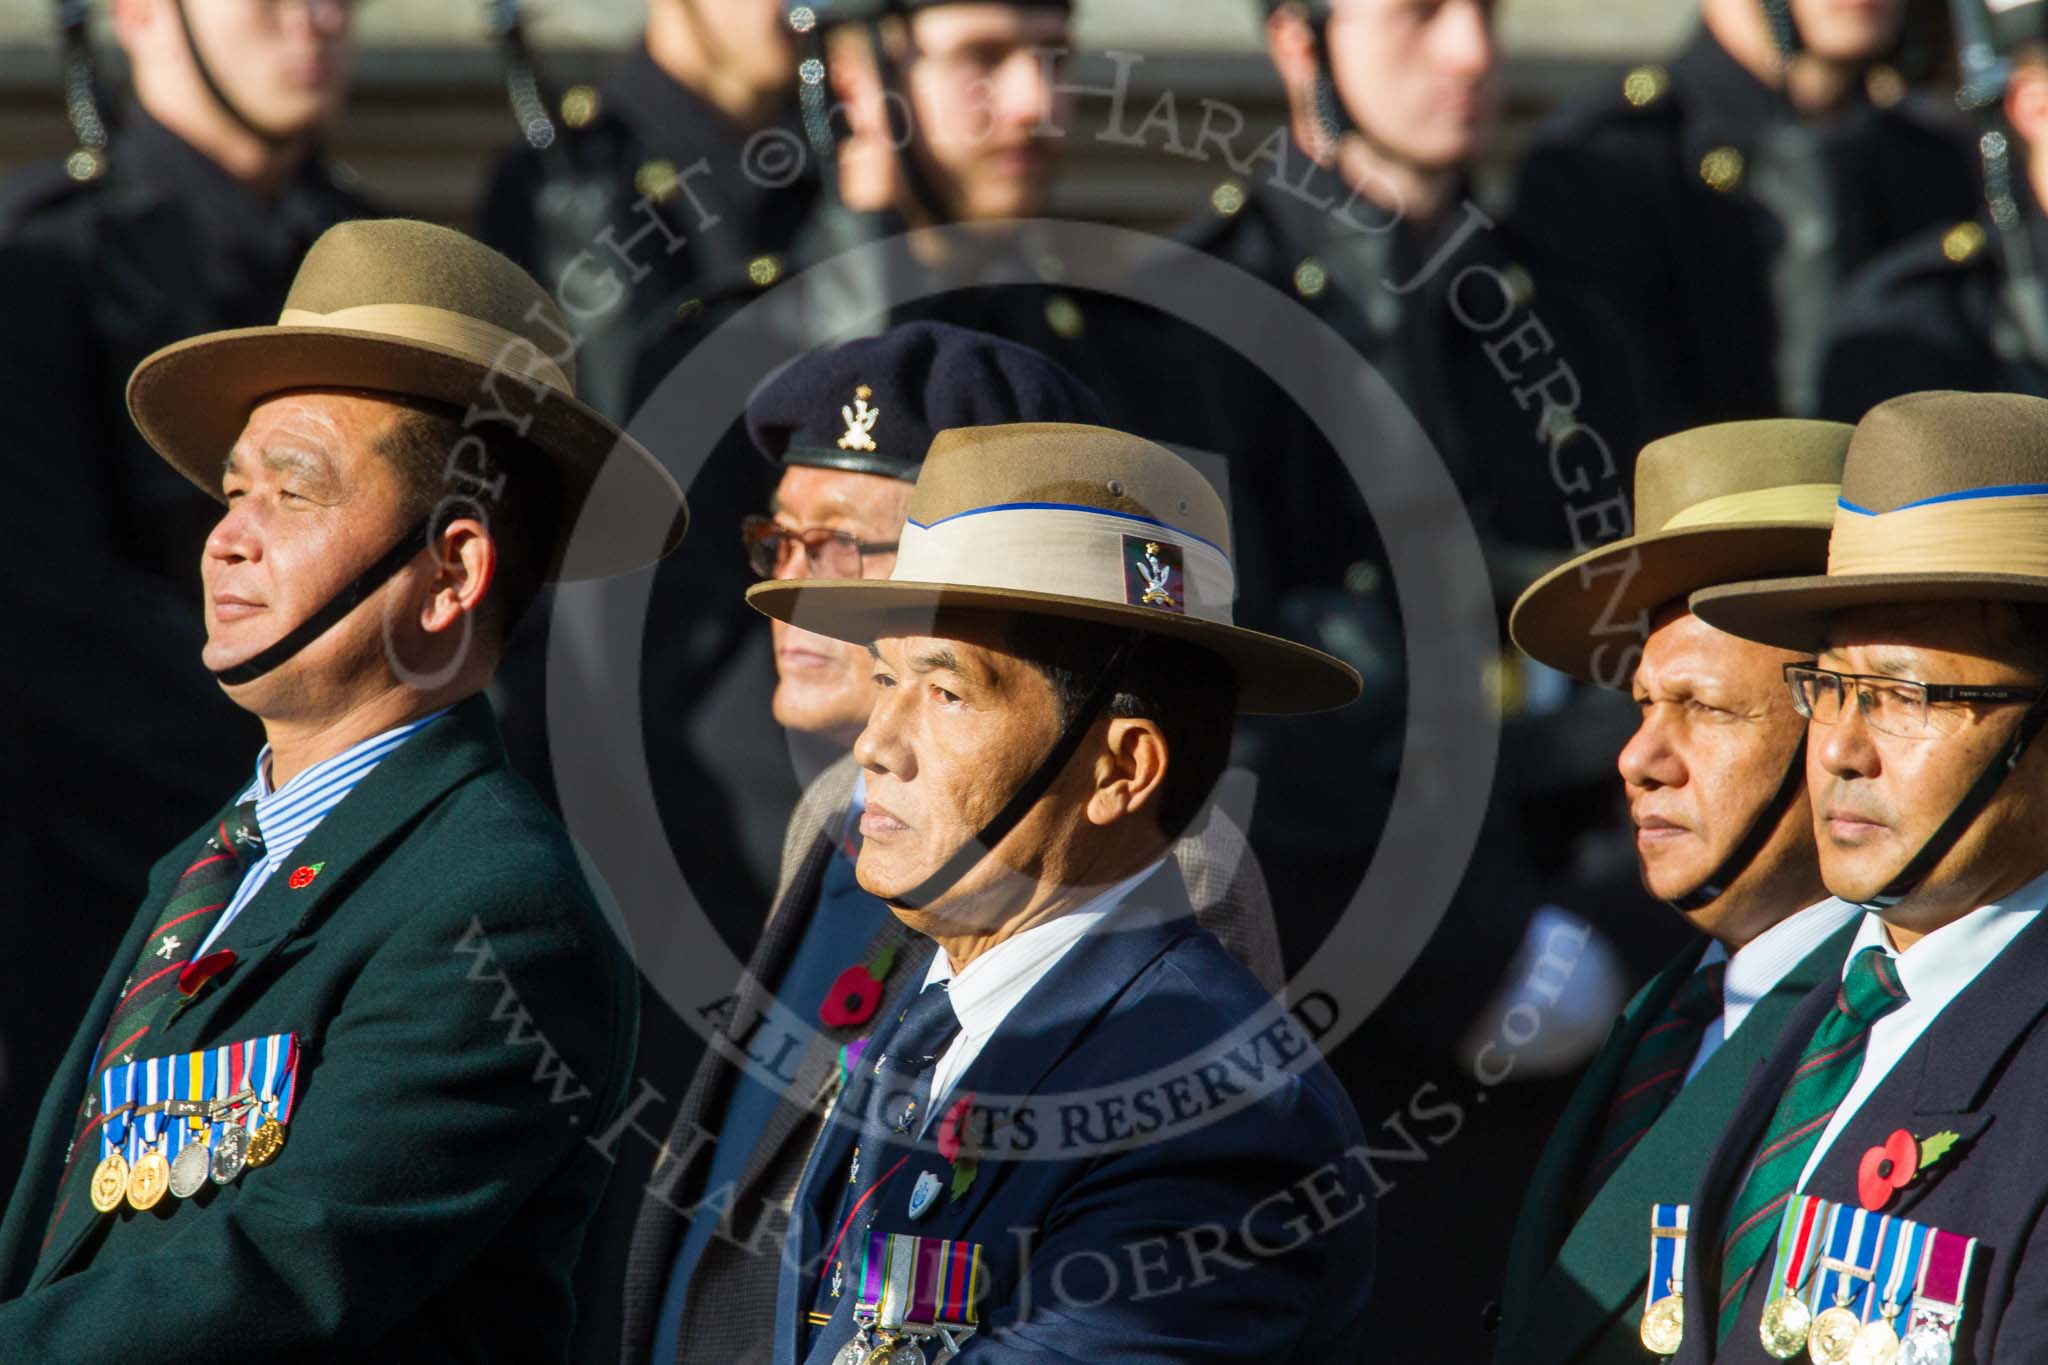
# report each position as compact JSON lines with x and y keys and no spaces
{"x":1605,"y":598}
{"x":1794,"y":613}
{"x":191,"y":400}
{"x":1275,"y":677}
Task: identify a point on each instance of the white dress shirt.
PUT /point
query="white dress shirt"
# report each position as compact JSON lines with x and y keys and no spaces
{"x":1760,"y":964}
{"x":988,"y":988}
{"x":1934,"y":971}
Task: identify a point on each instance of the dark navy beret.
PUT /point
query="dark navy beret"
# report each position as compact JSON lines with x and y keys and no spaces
{"x":872,"y":406}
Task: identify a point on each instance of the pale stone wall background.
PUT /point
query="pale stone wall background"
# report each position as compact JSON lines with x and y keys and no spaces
{"x":1589,"y":28}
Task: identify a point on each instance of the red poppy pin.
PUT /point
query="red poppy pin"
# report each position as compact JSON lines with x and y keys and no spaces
{"x":857,"y":992}
{"x":1897,"y":1163}
{"x":303,"y":877}
{"x":955,"y":1146}
{"x":201,"y":970}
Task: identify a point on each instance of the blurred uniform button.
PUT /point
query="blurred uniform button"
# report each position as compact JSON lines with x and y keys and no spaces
{"x":1311,"y":279}
{"x":656,"y":179}
{"x":580,"y":104}
{"x":87,"y":163}
{"x":1722,"y":169}
{"x":1963,"y":241}
{"x":763,"y":271}
{"x":1645,"y":85}
{"x":1227,"y":198}
{"x":1064,"y":316}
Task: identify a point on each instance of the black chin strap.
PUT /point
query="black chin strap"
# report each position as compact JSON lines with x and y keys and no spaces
{"x":895,"y":100}
{"x":1753,"y":839}
{"x":213,"y":88}
{"x":1966,"y":812}
{"x":1331,"y":115}
{"x":970,"y":854}
{"x":351,"y":596}
{"x":1784,"y":28}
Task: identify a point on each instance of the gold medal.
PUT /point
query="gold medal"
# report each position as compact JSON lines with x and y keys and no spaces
{"x":148,"y":1181}
{"x":1664,"y":1325}
{"x":1875,"y":1344}
{"x":1833,"y":1337}
{"x":1785,"y":1325}
{"x":110,"y":1182}
{"x":268,"y":1142}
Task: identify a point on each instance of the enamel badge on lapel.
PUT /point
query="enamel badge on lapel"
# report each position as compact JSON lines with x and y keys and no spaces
{"x":924,"y":1194}
{"x":1897,"y":1163}
{"x":303,"y":877}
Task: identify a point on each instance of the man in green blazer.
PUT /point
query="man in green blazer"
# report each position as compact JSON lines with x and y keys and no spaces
{"x":1714,"y":777}
{"x":332,"y":1099}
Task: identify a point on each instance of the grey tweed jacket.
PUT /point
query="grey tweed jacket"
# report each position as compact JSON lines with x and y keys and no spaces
{"x":729,"y":1310}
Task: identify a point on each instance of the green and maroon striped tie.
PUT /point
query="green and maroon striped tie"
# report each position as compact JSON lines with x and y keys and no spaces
{"x":1870,"y":990}
{"x":1655,"y":1071}
{"x":202,"y":892}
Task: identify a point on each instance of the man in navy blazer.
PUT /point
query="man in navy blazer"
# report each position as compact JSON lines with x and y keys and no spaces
{"x":1929,"y":796}
{"x":1086,"y":1133}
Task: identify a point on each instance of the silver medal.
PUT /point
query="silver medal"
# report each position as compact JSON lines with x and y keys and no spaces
{"x":189,"y":1170}
{"x":1926,"y":1347}
{"x":231,"y":1155}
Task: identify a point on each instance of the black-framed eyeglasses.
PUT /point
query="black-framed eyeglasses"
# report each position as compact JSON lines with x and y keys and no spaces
{"x":772,"y":548}
{"x":1894,"y":706}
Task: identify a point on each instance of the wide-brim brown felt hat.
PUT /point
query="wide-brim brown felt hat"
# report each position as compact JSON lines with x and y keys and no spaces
{"x":1944,"y":499}
{"x":1076,"y":522}
{"x":1715,"y":504}
{"x":420,"y":311}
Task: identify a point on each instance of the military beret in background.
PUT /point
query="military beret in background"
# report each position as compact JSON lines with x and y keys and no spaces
{"x":872,"y":406}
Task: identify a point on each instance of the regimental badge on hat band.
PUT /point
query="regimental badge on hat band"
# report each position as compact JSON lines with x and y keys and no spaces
{"x":1154,"y":575}
{"x":860,"y":421}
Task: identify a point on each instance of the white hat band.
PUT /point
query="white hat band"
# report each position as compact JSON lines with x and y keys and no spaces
{"x":1814,"y":502}
{"x":1071,"y":552}
{"x":1986,"y":531}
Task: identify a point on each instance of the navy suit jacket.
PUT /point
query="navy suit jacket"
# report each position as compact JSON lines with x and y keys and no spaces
{"x":1172,"y":1171}
{"x":1981,"y":1071}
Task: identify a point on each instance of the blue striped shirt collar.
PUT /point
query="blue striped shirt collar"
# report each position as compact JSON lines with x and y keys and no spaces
{"x":286,"y":816}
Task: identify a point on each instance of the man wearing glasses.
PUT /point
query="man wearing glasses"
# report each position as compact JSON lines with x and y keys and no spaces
{"x":849,"y":427}
{"x":1916,"y":1086}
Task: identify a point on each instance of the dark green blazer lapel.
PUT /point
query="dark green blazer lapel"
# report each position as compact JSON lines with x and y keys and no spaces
{"x":1546,"y":1216}
{"x":1588,"y":1305}
{"x":383,"y":807}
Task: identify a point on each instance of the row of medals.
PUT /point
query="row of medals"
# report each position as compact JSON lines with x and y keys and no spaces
{"x":891,"y":1349}
{"x":222,"y":1161}
{"x":1836,"y":1337}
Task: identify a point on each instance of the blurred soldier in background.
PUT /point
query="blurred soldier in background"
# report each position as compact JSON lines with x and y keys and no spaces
{"x":1703,"y":219}
{"x":682,"y":167}
{"x":1963,"y":306}
{"x":647,"y":189}
{"x":191,"y":218}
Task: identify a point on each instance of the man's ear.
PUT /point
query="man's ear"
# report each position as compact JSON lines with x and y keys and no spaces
{"x":857,"y":83}
{"x":1291,"y":44}
{"x":465,"y":564}
{"x":2026,"y":102}
{"x":1130,"y":772}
